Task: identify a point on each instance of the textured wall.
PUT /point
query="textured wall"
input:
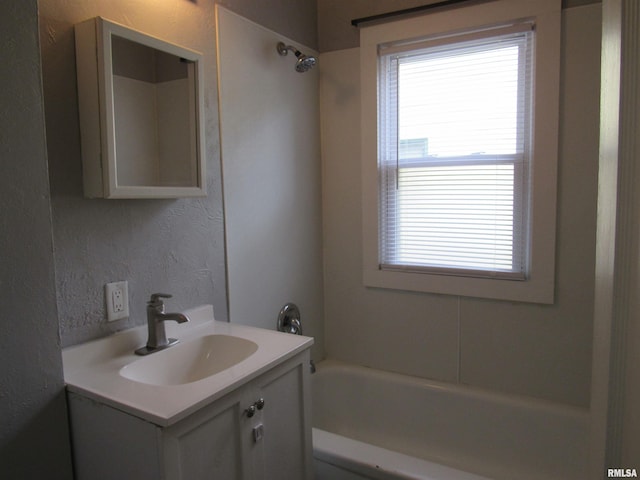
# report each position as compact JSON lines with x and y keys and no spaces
{"x":172,"y":246}
{"x":538,"y":350}
{"x":335,"y":31}
{"x":33,"y":429}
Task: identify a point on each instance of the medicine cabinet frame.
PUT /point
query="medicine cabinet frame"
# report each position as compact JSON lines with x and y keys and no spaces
{"x":140,"y":137}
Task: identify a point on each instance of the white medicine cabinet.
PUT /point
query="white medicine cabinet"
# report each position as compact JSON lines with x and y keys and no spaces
{"x":141,"y":114}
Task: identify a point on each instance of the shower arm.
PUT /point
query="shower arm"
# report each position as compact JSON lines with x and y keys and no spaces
{"x":284,"y":49}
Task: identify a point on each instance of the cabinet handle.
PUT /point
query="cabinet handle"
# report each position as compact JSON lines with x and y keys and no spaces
{"x":258,"y":405}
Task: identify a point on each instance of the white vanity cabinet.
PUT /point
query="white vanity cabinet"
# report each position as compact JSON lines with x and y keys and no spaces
{"x":218,"y":441}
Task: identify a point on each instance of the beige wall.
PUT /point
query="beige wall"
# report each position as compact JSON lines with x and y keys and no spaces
{"x":335,"y":31}
{"x":295,"y":19}
{"x":537,"y":350}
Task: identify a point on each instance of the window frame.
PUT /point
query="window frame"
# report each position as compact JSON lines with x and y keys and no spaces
{"x":538,"y":286}
{"x":392,"y":168}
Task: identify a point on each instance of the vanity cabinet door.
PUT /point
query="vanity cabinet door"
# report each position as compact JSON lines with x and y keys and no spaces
{"x":230,"y":440}
{"x":281,"y":430}
{"x":208,"y":445}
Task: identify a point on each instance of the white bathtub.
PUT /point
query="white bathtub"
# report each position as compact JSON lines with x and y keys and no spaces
{"x":370,"y":424}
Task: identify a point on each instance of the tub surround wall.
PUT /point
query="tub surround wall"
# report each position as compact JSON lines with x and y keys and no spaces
{"x":537,"y":350}
{"x":269,"y":119}
{"x":34,"y":441}
{"x":172,"y":246}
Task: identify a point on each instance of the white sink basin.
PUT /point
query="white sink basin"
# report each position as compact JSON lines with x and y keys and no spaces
{"x":190,"y":361}
{"x":212,"y":359}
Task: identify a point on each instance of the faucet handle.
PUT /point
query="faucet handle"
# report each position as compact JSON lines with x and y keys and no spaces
{"x":156,"y":298}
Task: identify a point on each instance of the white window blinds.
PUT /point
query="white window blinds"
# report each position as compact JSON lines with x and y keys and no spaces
{"x":454,"y":121}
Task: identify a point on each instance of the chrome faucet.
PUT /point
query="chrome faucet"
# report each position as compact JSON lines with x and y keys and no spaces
{"x":156,"y":317}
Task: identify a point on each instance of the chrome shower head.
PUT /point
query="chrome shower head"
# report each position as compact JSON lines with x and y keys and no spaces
{"x":304,"y":62}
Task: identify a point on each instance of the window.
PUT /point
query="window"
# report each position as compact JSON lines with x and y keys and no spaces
{"x":454,"y":159}
{"x":459,"y":117}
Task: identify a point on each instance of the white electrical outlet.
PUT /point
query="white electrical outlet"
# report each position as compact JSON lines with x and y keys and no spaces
{"x":116,"y":297}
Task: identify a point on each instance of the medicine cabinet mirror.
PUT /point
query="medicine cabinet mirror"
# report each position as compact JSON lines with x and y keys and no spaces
{"x":141,"y":125}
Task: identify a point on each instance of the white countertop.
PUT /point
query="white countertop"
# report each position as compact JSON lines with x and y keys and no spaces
{"x":92,"y":369}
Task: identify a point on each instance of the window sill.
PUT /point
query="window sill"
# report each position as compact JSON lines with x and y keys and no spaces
{"x":533,"y":290}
